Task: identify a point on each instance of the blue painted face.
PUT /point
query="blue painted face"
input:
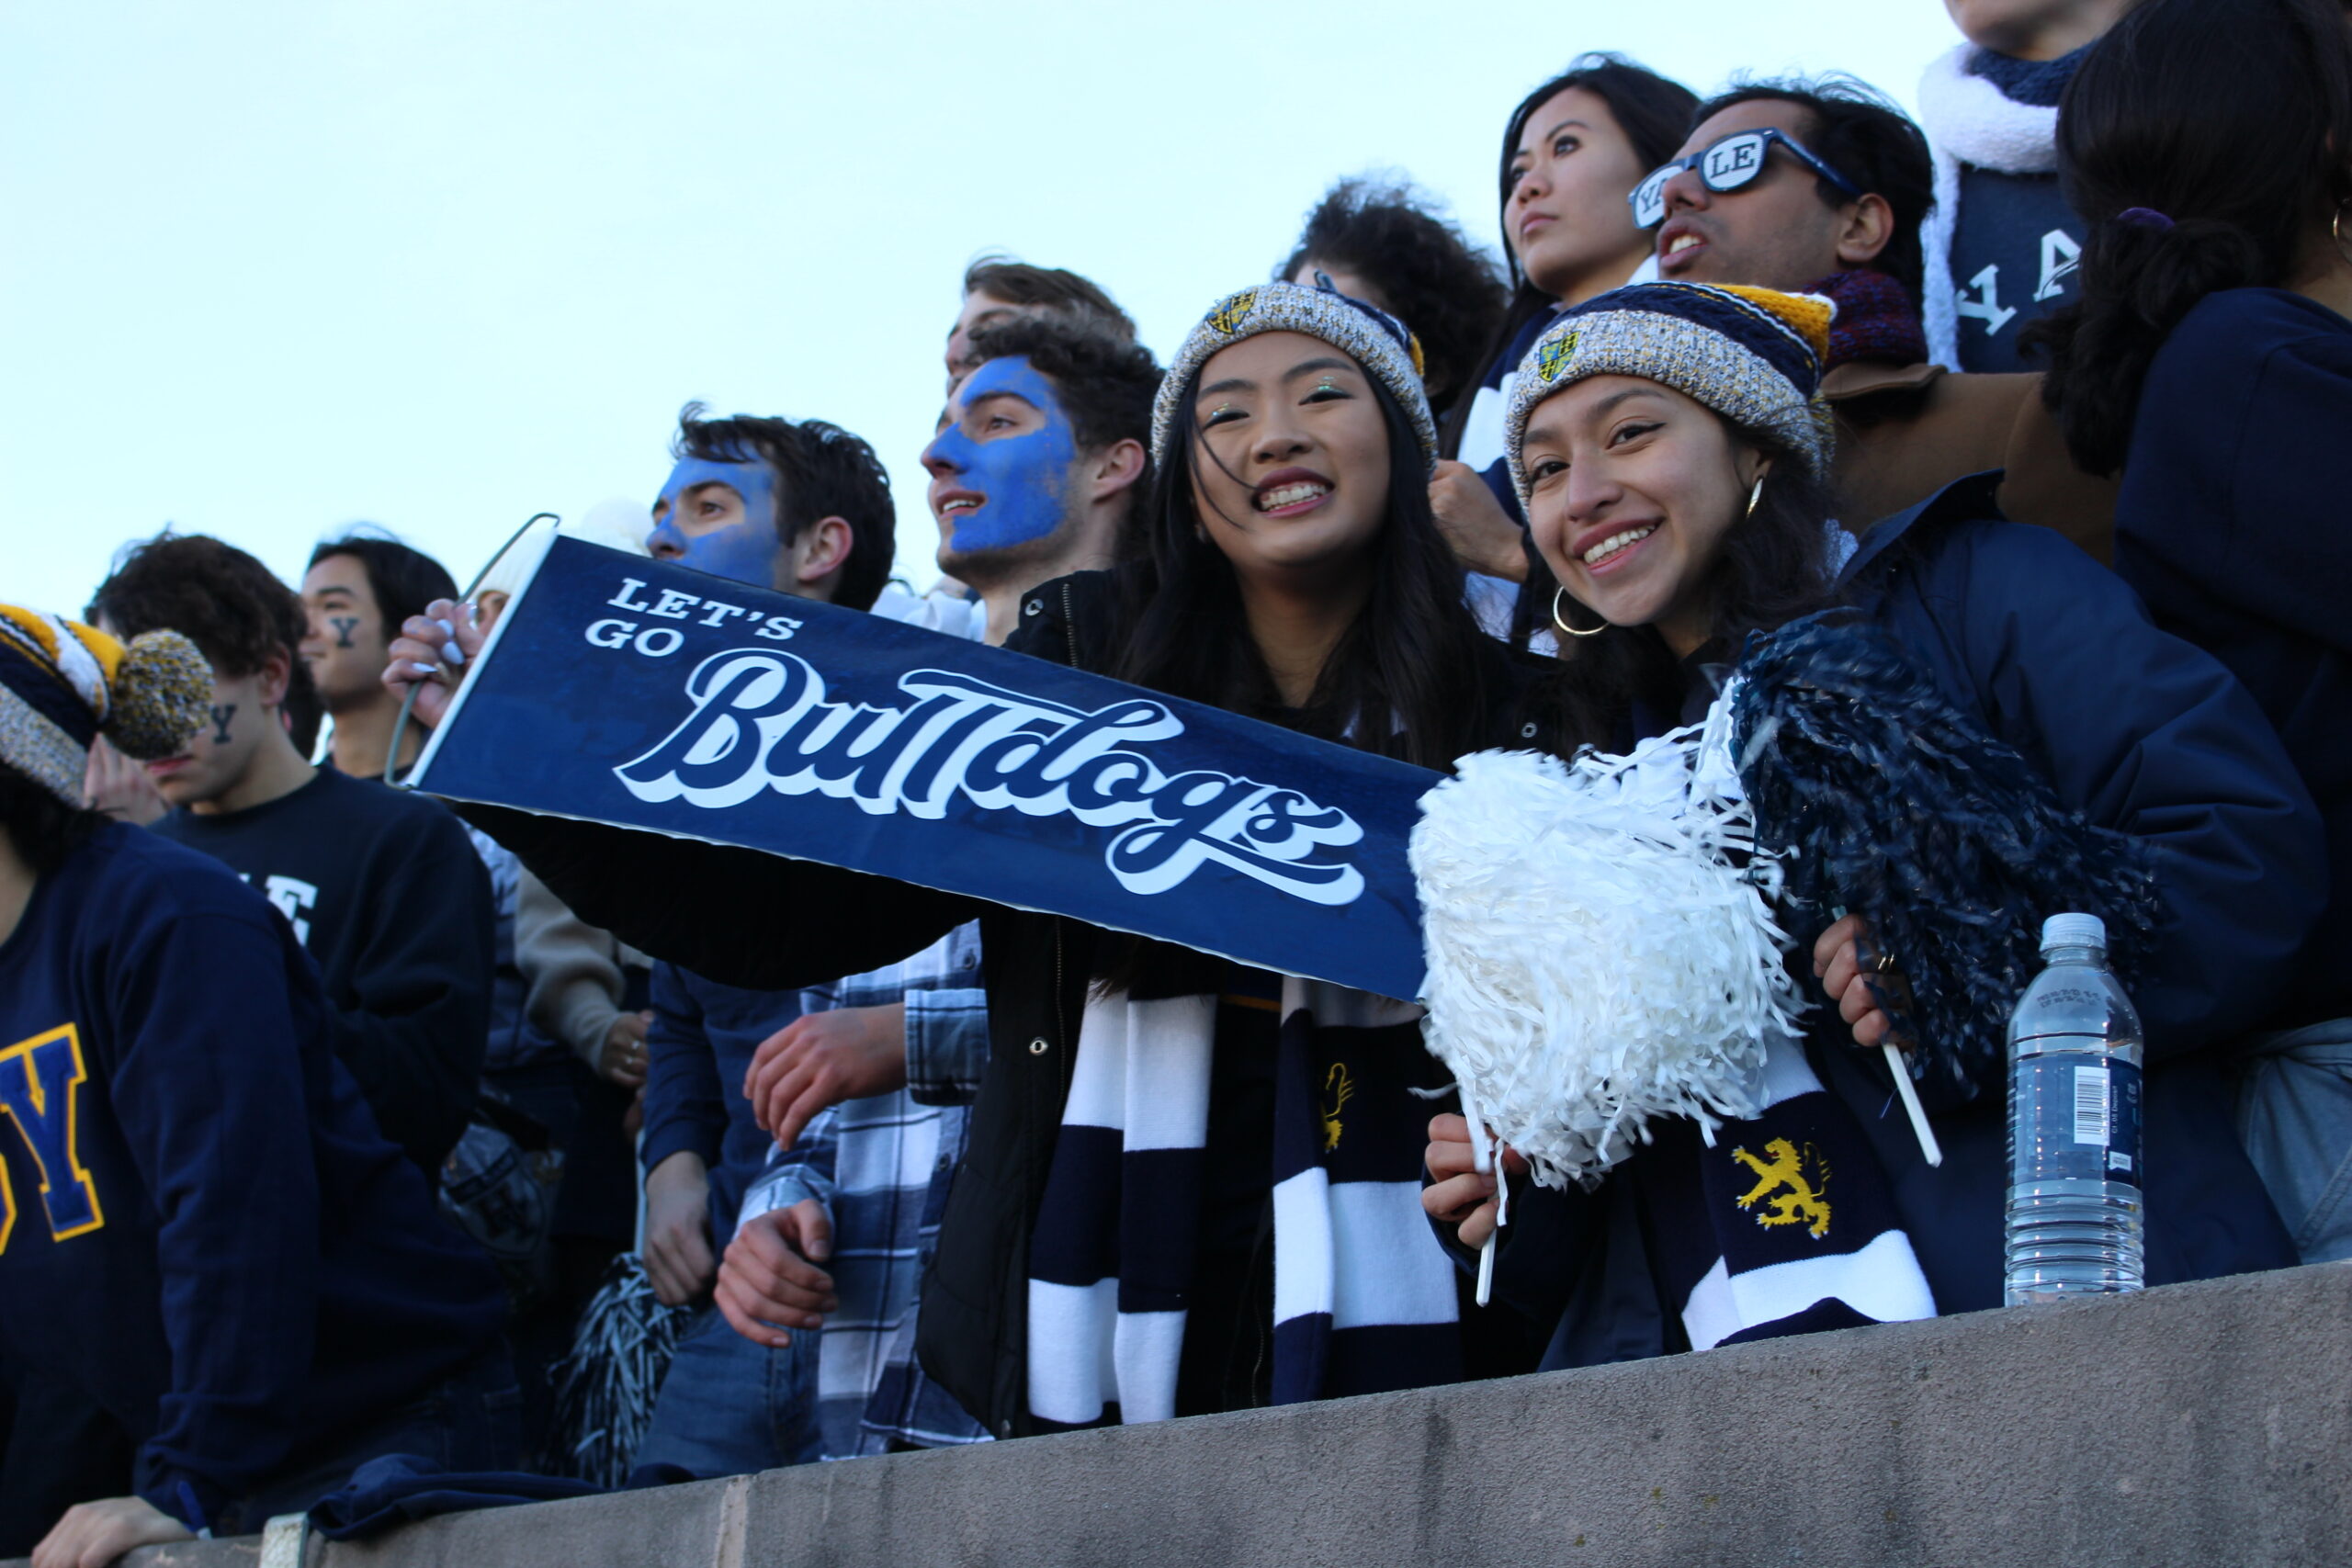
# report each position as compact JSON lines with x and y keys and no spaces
{"x":720,"y":518}
{"x":1008,"y":446}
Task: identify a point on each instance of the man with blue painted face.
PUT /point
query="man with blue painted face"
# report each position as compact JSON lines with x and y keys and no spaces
{"x":1820,"y":188}
{"x":1037,"y":465}
{"x":1040,"y":458}
{"x":802,"y":507}
{"x":785,"y":505}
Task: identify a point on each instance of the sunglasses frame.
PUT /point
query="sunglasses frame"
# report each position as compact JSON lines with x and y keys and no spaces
{"x":1738,"y":176}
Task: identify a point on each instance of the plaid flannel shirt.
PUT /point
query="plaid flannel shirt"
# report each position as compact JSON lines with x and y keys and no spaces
{"x":881,"y":1167}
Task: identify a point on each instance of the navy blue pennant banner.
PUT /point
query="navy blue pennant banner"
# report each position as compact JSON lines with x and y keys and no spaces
{"x":646,"y":696}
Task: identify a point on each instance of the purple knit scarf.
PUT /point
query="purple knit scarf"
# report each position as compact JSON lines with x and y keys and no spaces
{"x":1876,"y":323}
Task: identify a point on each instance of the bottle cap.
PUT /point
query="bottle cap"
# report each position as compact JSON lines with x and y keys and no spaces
{"x":2073,"y":930}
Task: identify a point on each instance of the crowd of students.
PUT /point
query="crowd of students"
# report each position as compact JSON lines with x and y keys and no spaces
{"x":321,"y":1095}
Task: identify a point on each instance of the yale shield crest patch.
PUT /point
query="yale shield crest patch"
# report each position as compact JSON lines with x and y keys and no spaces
{"x":1554,"y":355}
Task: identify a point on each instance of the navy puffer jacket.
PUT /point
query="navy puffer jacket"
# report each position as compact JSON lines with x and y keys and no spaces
{"x":2145,"y":734}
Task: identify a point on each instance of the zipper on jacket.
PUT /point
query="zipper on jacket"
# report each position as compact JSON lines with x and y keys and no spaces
{"x":1062,"y":1019}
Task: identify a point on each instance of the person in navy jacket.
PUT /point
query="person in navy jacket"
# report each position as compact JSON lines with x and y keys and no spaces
{"x":1671,"y":450}
{"x":201,"y":1228}
{"x":2209,"y":355}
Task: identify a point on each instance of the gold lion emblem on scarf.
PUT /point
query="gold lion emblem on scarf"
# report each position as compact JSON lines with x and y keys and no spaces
{"x":1337,"y":1089}
{"x":1795,"y":1198}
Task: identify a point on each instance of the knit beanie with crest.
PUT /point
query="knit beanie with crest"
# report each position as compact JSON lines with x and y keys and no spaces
{"x":1386,"y":349}
{"x":1754,"y":355}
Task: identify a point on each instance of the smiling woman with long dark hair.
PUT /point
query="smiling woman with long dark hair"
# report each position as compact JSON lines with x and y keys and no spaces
{"x":1670,"y":444}
{"x":1295,"y":574}
{"x":1291,"y":503}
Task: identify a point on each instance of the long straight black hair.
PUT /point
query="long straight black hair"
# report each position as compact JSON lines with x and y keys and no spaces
{"x":1408,"y":680}
{"x":1773,"y":567}
{"x":2232,"y":120}
{"x":1653,"y":111}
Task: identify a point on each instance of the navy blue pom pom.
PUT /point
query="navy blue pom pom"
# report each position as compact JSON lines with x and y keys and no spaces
{"x":1891,"y":802}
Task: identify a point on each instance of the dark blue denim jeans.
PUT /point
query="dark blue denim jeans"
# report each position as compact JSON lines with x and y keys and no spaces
{"x":731,"y":1408}
{"x":469,"y":1421}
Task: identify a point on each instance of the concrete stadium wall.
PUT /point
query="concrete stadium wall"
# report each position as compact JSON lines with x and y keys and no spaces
{"x":2206,"y":1423}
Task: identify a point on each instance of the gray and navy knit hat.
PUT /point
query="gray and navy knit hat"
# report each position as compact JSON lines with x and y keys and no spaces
{"x":62,"y":685}
{"x":1752,"y":355}
{"x":1371,"y":337}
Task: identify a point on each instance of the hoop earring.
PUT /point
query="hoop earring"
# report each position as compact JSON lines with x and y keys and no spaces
{"x":1556,"y":595}
{"x":1753,"y":496}
{"x":2335,"y":232}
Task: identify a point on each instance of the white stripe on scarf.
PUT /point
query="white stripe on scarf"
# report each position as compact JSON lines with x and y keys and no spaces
{"x":1143,"y":1072}
{"x":1361,"y":1252}
{"x":1881,"y":1281}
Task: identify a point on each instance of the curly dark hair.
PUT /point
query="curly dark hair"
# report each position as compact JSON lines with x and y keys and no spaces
{"x":232,"y":607}
{"x":826,"y":472}
{"x":2152,"y":121}
{"x":1430,"y":275}
{"x":1859,"y":131}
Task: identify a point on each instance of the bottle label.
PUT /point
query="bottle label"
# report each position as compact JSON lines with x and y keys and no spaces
{"x":2076,"y":1118}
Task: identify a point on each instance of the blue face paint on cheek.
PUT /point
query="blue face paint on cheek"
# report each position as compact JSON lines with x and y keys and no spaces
{"x":742,"y":551}
{"x":1022,"y":476}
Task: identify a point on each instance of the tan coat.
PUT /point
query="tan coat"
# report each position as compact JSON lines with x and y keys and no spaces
{"x":1903,"y":433}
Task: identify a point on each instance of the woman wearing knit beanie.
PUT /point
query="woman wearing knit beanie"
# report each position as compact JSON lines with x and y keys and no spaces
{"x":1293,"y":573}
{"x":1671,"y":446}
{"x":2208,"y":356}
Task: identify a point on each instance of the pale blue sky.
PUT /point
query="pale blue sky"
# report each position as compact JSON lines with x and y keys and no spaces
{"x":268,"y":268}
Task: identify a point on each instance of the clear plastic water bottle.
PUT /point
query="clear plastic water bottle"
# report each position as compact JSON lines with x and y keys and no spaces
{"x":2074,"y":1169}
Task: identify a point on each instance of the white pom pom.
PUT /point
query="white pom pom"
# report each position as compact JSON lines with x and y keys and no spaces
{"x":1600,"y":943}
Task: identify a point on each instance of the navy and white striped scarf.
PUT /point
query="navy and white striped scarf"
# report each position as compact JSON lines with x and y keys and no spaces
{"x":1786,"y":1224}
{"x":1364,"y":1297}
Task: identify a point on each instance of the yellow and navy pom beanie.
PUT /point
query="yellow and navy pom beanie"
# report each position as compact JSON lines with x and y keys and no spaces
{"x":1384,"y":345}
{"x":1752,"y":355}
{"x":62,"y":685}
